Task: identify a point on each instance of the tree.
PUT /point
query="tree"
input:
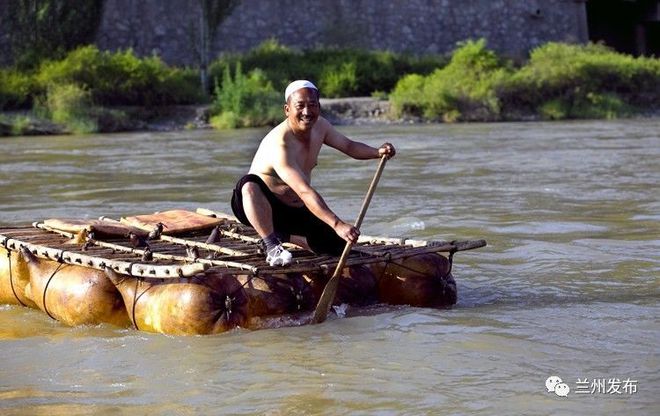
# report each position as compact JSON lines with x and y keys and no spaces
{"x":213,"y":13}
{"x":43,"y":29}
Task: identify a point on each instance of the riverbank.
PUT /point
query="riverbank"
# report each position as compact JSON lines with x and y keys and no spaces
{"x":340,"y":111}
{"x":166,"y":118}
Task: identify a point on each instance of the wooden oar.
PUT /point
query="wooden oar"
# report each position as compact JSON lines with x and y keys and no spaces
{"x":330,"y":290}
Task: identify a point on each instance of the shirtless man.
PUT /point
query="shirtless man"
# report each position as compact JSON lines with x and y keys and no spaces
{"x":276,"y":196}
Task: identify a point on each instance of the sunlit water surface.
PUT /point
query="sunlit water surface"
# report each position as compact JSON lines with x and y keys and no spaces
{"x":568,"y":285}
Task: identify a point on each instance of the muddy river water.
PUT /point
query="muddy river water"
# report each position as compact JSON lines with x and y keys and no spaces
{"x":568,"y":286}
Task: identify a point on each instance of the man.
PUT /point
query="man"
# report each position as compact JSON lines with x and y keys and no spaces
{"x":276,"y":196}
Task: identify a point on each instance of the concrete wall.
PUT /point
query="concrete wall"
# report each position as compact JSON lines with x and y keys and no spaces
{"x":170,"y":28}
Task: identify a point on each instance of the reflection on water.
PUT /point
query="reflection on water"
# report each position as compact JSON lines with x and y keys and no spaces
{"x":568,"y":285}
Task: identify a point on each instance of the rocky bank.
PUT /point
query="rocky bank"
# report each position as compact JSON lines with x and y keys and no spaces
{"x":340,"y":111}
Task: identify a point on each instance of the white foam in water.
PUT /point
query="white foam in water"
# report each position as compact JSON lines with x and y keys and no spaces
{"x":403,"y":225}
{"x":340,"y":310}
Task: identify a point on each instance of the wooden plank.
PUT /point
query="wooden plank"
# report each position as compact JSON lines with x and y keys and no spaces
{"x":176,"y":221}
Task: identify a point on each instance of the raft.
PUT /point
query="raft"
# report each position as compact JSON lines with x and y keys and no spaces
{"x":191,"y":273}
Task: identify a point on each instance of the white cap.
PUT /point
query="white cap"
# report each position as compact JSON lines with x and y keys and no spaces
{"x":296,"y":85}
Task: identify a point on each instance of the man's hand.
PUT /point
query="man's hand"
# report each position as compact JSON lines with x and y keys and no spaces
{"x":387,"y":149}
{"x":347,"y":231}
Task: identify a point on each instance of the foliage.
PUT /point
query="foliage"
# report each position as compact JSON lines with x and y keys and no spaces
{"x":245,"y":100}
{"x":20,"y":125}
{"x":41,"y":29}
{"x":276,"y":62}
{"x":15,"y":125}
{"x":15,"y":90}
{"x":339,"y":82}
{"x":337,"y":72}
{"x":559,"y":81}
{"x":586,"y":80}
{"x":462,"y":88}
{"x":408,"y":97}
{"x":71,"y":105}
{"x":121,"y":78}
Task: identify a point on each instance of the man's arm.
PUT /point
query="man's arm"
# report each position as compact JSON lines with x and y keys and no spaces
{"x":356,"y":150}
{"x":288,"y":170}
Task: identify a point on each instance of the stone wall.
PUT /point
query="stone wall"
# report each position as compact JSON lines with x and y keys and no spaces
{"x":4,"y":35}
{"x":170,"y":28}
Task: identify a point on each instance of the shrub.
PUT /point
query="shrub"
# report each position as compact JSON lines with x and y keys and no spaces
{"x":588,"y":80}
{"x":408,"y":96}
{"x":15,"y":90}
{"x":71,"y":105}
{"x":245,"y":101}
{"x":121,"y":78}
{"x":13,"y":125}
{"x":21,"y":125}
{"x":601,"y":105}
{"x":554,"y":109}
{"x":331,"y":68}
{"x":559,"y":81}
{"x":338,"y":82}
{"x":466,"y":86}
{"x":277,"y":62}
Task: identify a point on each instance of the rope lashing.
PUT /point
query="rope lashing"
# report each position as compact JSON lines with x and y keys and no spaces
{"x":228,"y":304}
{"x":135,"y":298}
{"x":451,"y":258}
{"x":43,"y":299}
{"x":11,"y":279}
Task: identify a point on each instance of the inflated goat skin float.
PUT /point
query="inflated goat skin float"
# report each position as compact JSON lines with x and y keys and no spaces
{"x":424,"y":280}
{"x":14,"y":277}
{"x":186,"y":273}
{"x":73,"y":295}
{"x":206,"y":304}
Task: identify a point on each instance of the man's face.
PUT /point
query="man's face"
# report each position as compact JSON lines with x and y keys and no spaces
{"x":303,"y":109}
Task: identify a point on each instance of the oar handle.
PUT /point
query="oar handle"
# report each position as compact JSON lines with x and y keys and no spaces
{"x":370,"y":192}
{"x":328,"y":295}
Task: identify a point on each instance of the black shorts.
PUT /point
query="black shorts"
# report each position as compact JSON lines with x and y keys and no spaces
{"x":287,"y":220}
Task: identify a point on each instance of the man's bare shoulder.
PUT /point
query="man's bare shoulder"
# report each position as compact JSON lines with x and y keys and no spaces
{"x":323,"y":123}
{"x":277,"y":134}
{"x":323,"y":128}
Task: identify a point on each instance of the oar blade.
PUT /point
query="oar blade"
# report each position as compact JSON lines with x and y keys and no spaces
{"x":327,"y":297}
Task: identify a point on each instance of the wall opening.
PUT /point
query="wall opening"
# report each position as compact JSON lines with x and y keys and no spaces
{"x":628,"y":26}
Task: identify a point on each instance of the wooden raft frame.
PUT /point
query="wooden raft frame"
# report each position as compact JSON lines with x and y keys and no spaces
{"x":238,"y":251}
